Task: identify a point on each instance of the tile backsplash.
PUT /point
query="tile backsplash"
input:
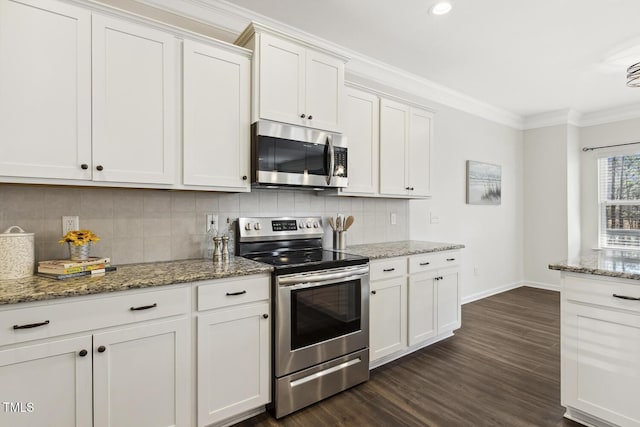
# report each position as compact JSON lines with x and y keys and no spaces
{"x":139,"y":225}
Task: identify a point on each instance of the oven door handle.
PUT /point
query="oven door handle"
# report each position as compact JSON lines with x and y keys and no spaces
{"x":317,"y":279}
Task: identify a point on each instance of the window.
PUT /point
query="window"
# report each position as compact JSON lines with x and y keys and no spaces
{"x":620,"y":201}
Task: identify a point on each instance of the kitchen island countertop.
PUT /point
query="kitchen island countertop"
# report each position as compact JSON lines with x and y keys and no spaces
{"x":130,"y":276}
{"x":400,"y":248}
{"x":611,"y":263}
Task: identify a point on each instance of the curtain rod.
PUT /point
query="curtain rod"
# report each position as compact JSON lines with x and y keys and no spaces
{"x":608,"y":146}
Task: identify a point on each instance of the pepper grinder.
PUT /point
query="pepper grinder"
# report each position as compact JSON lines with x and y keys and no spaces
{"x":225,"y":248}
{"x":217,"y":250}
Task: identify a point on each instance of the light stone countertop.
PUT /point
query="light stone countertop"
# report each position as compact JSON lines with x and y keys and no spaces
{"x":611,"y":263}
{"x":130,"y":276}
{"x":400,"y":248}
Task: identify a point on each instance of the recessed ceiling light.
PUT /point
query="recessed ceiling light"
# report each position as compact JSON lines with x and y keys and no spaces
{"x":441,"y":8}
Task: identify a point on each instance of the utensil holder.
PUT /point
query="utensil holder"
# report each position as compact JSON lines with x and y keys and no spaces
{"x":339,"y":240}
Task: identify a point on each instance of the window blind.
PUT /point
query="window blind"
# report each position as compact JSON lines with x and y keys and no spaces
{"x":619,"y":196}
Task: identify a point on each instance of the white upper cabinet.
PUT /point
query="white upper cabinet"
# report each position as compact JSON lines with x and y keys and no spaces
{"x":405,"y":150}
{"x":362,"y":121}
{"x":134,"y":102}
{"x":293,"y":82}
{"x":45,"y":89}
{"x":216,"y":117}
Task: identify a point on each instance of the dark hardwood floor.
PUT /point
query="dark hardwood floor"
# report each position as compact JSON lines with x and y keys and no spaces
{"x":502,"y":368}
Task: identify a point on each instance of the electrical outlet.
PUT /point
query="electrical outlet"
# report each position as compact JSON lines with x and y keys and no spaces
{"x":212,"y":224}
{"x":70,"y":223}
{"x":394,"y":219}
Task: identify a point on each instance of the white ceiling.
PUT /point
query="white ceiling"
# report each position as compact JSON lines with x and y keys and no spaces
{"x":525,"y":57}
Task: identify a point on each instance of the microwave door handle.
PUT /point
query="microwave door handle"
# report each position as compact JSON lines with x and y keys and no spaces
{"x":332,"y":159}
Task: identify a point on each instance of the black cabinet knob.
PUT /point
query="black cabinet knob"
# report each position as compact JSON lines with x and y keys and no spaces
{"x":84,"y":166}
{"x":99,"y":167}
{"x":82,"y":353}
{"x":310,"y":117}
{"x":407,"y":188}
{"x":266,"y":316}
{"x":244,"y":177}
{"x":373,"y":292}
{"x":302,"y":116}
{"x":101,"y":349}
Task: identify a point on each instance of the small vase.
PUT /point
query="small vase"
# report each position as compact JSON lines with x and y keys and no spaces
{"x":79,"y":253}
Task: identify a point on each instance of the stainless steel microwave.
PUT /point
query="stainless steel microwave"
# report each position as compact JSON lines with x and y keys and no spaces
{"x":286,"y":155}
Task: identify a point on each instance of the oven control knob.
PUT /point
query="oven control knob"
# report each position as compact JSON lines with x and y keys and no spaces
{"x":257,"y":226}
{"x":247,"y":226}
{"x":316,"y":225}
{"x":308,"y":225}
{"x":301,"y":224}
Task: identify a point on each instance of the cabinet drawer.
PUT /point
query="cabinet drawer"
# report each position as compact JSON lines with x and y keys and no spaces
{"x":61,"y":318}
{"x":222,"y":293}
{"x":430,"y":261}
{"x":601,"y":292}
{"x":387,"y":268}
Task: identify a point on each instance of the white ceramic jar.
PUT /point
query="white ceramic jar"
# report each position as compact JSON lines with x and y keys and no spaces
{"x":17,"y":254}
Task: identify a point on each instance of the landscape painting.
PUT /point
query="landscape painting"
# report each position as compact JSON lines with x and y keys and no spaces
{"x":484,"y":183}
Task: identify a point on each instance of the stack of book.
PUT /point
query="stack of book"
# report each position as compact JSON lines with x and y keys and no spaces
{"x":65,"y":268}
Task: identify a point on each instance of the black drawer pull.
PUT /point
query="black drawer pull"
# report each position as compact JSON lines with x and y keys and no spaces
{"x":425,"y":263}
{"x":144,"y":307}
{"x":230,"y":294}
{"x":31,"y":325}
{"x":621,"y":297}
{"x":451,"y":259}
{"x":387,"y":270}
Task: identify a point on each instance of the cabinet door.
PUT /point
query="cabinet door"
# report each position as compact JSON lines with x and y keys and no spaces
{"x":601,"y":363}
{"x":233,"y":361}
{"x":362,"y":128}
{"x":215,"y":117}
{"x":419,"y":152}
{"x":47,"y":384}
{"x":388,"y":317}
{"x":422,"y":307}
{"x":394,"y":132}
{"x":141,"y":376}
{"x":45,"y":89}
{"x":324,"y":89}
{"x":282,"y":80}
{"x":448,"y":294}
{"x":134,"y":102}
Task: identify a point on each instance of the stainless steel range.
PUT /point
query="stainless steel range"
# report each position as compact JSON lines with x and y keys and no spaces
{"x":320,"y":306}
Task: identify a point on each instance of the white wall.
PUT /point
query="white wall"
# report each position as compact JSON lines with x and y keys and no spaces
{"x":573,"y":192}
{"x":545,"y":203}
{"x":606,"y":134}
{"x":493,"y":235}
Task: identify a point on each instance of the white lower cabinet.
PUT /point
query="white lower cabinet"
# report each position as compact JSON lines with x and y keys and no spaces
{"x":600,"y":362}
{"x":414,"y":301}
{"x":388,"y":317}
{"x":47,"y":384}
{"x":141,"y":375}
{"x":124,"y":362}
{"x":233,"y":340}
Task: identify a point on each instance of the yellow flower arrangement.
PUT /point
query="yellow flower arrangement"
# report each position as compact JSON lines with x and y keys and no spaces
{"x":79,"y":237}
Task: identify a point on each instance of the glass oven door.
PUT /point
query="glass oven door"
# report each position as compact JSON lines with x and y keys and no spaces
{"x":320,"y":316}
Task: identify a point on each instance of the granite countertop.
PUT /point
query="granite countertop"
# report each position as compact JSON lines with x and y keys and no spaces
{"x":131,"y":276}
{"x":611,"y":263}
{"x":400,"y":248}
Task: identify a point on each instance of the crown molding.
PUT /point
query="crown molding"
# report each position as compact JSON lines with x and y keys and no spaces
{"x":553,"y":118}
{"x":611,"y":115}
{"x":233,"y":20}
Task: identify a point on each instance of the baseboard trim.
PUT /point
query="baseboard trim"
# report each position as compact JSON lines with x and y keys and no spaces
{"x":490,"y":292}
{"x":542,"y":285}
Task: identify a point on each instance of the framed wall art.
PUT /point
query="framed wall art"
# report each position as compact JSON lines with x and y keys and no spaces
{"x":484,"y":183}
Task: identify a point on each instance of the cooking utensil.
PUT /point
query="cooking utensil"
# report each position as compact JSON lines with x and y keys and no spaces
{"x":332,"y":224}
{"x":339,"y":223}
{"x":348,"y":222}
